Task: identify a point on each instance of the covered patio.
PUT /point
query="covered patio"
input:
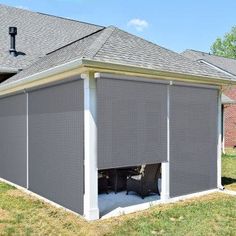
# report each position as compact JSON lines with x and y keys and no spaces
{"x":122,"y":188}
{"x":113,"y":203}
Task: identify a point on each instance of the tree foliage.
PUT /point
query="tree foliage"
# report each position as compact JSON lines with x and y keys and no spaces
{"x":225,"y":46}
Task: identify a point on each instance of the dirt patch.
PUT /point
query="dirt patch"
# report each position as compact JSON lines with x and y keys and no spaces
{"x":4,"y":215}
{"x":17,"y":193}
{"x":2,"y":227}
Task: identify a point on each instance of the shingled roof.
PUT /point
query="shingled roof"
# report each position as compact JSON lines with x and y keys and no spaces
{"x":117,"y":46}
{"x":109,"y":45}
{"x":225,"y":64}
{"x":38,"y":34}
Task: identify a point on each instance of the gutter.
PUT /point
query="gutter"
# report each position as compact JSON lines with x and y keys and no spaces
{"x":43,"y":74}
{"x":97,"y":66}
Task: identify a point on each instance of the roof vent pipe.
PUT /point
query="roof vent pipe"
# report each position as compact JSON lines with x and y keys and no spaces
{"x":13,"y":33}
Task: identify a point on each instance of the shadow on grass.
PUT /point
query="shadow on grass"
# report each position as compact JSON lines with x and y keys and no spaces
{"x":227,"y":180}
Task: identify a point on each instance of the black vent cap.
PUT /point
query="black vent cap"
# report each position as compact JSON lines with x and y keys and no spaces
{"x":13,"y":30}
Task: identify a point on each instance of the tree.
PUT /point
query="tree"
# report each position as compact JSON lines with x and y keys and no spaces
{"x":225,"y":47}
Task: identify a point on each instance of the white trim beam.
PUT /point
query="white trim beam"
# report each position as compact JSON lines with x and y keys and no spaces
{"x":129,"y":78}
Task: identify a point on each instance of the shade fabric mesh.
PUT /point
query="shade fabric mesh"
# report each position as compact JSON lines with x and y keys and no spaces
{"x":56,"y":123}
{"x":193,"y":139}
{"x":13,"y":139}
{"x":132,"y":123}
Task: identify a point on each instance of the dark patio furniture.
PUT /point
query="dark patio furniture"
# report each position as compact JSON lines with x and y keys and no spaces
{"x":146,"y":182}
{"x":118,"y":177}
{"x":102,"y":182}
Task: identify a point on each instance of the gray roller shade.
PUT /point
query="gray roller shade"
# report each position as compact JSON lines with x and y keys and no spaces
{"x":132,"y":127}
{"x":13,"y":154}
{"x":193,"y":139}
{"x":56,"y":144}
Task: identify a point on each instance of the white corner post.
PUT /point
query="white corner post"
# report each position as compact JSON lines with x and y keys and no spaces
{"x":91,"y":210}
{"x":219,"y":144}
{"x":165,"y":166}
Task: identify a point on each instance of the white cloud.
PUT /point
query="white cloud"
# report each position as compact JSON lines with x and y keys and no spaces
{"x":138,"y":24}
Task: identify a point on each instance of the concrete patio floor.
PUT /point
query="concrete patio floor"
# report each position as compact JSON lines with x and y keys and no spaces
{"x":111,"y":202}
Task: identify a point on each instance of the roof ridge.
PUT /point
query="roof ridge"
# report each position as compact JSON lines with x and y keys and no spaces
{"x":148,"y":41}
{"x":66,"y":45}
{"x":98,"y":43}
{"x":69,"y":19}
{"x":154,"y":44}
{"x":18,"y":8}
{"x":50,"y":15}
{"x":194,"y":50}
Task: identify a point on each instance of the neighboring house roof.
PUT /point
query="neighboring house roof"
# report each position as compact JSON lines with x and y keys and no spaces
{"x":113,"y":45}
{"x":37,"y":35}
{"x":227,"y":65}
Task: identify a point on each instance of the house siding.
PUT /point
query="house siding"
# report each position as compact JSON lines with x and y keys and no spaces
{"x":230,"y":118}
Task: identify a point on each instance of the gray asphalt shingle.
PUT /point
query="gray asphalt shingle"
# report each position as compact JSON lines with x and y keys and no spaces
{"x":38,"y":34}
{"x":117,"y":46}
{"x":125,"y":48}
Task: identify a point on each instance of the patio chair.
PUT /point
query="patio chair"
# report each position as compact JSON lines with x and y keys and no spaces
{"x":102,"y":182}
{"x":146,"y":182}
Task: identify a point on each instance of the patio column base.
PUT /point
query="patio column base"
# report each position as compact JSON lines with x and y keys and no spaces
{"x":92,"y":214}
{"x":165,"y":181}
{"x":165,"y":197}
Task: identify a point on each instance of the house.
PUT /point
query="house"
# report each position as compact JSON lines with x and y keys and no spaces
{"x":227,"y":66}
{"x":77,"y":99}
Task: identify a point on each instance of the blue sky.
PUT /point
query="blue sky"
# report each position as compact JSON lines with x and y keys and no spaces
{"x":176,"y":25}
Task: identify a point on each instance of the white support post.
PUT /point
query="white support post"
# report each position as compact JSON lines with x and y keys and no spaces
{"x":165,"y":166}
{"x":91,"y":210}
{"x":219,"y":148}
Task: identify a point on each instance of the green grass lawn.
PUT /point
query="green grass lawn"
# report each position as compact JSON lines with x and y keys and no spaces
{"x":214,"y":214}
{"x":229,"y":170}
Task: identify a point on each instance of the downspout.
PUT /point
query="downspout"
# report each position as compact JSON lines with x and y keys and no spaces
{"x":223,"y":129}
